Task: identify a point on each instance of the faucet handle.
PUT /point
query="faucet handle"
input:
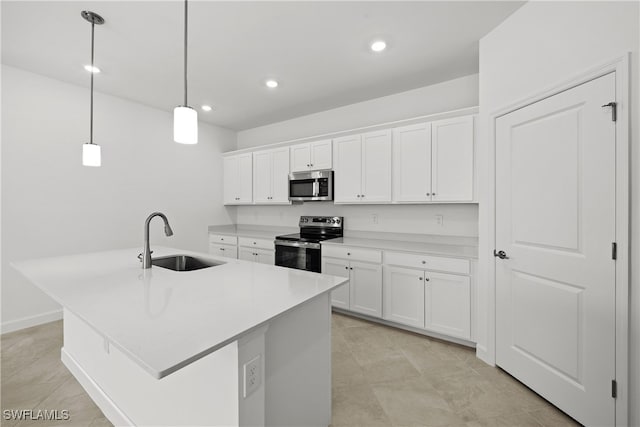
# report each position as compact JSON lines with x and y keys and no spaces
{"x":140,"y":255}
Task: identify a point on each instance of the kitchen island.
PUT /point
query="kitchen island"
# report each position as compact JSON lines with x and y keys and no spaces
{"x":238,"y":343}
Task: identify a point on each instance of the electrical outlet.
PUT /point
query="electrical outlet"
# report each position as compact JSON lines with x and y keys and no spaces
{"x":440,"y":219}
{"x":252,"y":375}
{"x":374,"y":218}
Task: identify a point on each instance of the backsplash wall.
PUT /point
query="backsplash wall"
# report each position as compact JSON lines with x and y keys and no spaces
{"x":458,"y":219}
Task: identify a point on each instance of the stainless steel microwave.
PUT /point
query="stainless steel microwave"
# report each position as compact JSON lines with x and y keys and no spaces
{"x":311,"y":186}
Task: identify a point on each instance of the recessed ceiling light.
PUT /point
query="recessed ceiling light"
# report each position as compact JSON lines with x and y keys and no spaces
{"x":206,"y":108}
{"x":91,"y":69}
{"x":271,"y":83}
{"x":378,"y":46}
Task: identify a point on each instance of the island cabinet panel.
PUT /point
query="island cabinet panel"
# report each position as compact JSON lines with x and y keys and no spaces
{"x":270,"y":176}
{"x":448,"y":304}
{"x":412,"y":163}
{"x":404,"y":295}
{"x":311,"y":156}
{"x":452,"y":165}
{"x":365,"y":281}
{"x":238,"y":179}
{"x":340,"y":268}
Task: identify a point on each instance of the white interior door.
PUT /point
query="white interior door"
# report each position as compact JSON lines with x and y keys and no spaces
{"x":555,"y":219}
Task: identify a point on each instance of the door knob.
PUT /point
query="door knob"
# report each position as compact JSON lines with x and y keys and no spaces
{"x":500,"y":254}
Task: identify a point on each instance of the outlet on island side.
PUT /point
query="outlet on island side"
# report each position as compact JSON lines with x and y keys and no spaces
{"x":252,"y":375}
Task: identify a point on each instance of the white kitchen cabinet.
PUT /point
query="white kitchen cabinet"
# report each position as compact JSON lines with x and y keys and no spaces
{"x":340,"y":268}
{"x":447,"y":301}
{"x":363,"y":168}
{"x":412,"y":163}
{"x":247,"y":254}
{"x":365,"y":286}
{"x":404,"y":295}
{"x":363,"y":292}
{"x":271,"y":176}
{"x":452,"y":159}
{"x":433,"y":162}
{"x":311,"y":156}
{"x":238,"y":179}
{"x":227,"y":251}
{"x":256,"y":250}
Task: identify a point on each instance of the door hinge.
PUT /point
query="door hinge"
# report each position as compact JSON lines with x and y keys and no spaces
{"x":613,"y":105}
{"x":614,"y":388}
{"x":614,"y":250}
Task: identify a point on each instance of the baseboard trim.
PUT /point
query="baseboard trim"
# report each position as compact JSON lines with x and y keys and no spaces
{"x":108,"y":407}
{"x":29,"y":321}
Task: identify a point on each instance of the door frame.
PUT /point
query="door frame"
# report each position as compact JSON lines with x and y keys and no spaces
{"x":620,"y":65}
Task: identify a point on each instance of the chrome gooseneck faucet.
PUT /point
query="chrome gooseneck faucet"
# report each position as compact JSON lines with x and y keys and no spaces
{"x":145,"y":256}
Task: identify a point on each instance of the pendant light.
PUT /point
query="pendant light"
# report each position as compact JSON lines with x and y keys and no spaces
{"x":91,"y":152}
{"x":185,"y":118}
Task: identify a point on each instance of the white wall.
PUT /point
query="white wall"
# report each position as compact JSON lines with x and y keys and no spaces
{"x":541,"y":45}
{"x":52,"y":205}
{"x":450,"y":95}
{"x":459,"y":220}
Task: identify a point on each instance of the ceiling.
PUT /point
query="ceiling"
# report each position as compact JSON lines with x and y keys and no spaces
{"x":318,"y":51}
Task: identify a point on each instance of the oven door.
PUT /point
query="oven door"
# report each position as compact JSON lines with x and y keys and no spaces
{"x":300,"y":255}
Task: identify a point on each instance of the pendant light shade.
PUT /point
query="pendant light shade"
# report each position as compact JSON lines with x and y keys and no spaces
{"x":185,"y":125}
{"x":185,"y":118}
{"x":91,"y":155}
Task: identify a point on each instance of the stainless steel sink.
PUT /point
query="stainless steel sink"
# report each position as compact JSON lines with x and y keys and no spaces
{"x":183,"y":263}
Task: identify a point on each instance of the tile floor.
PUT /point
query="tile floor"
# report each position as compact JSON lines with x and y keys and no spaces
{"x":381,"y":377}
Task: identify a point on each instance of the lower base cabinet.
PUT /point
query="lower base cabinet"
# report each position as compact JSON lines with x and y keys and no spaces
{"x":227,"y":251}
{"x":447,"y":301}
{"x":363,"y":293}
{"x":263,"y":256}
{"x":438,"y":302}
{"x":404,"y":296}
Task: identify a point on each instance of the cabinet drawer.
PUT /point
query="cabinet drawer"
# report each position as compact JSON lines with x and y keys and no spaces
{"x":222,"y":239}
{"x":352,"y":254}
{"x":227,"y":251}
{"x":256,"y":243}
{"x":427,"y":262}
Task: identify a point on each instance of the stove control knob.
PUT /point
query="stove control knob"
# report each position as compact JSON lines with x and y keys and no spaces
{"x":337,"y":221}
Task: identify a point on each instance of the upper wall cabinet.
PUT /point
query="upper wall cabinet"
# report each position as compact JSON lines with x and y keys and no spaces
{"x":238,"y":179}
{"x":452,"y":160}
{"x":362,"y":165}
{"x":271,"y":176}
{"x":311,"y":156}
{"x":433,"y":162}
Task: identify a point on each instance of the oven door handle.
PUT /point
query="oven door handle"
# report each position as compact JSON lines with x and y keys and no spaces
{"x":306,"y":245}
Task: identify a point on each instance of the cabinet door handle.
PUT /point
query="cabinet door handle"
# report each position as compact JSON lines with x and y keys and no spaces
{"x":428,"y":194}
{"x":419,"y":278}
{"x":348,"y":253}
{"x":433,"y":194}
{"x":222,"y":249}
{"x":426,"y":278}
{"x":308,"y":165}
{"x":346,"y":268}
{"x":311,"y":164}
{"x":424,"y":262}
{"x":350,"y":268}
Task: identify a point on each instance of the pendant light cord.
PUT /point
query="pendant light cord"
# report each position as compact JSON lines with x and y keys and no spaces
{"x":92,"y":73}
{"x":185,"y":51}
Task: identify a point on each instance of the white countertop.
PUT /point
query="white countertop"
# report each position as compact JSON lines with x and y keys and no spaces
{"x":253,"y":231}
{"x":453,"y":247}
{"x":165,"y":319}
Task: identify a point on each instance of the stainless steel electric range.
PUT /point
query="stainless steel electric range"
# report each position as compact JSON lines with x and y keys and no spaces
{"x":303,"y":250}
